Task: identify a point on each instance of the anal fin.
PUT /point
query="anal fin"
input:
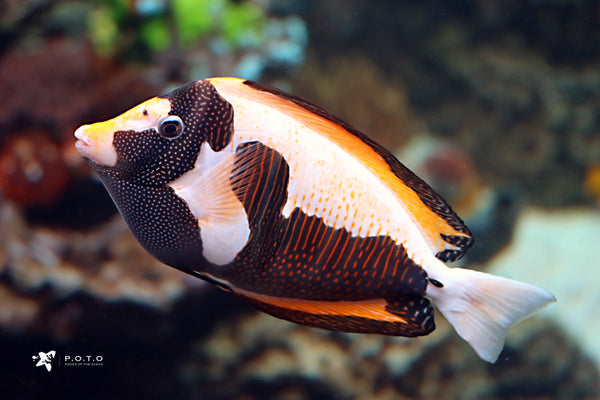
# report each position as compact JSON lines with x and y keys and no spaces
{"x":416,"y":310}
{"x":405,"y":316}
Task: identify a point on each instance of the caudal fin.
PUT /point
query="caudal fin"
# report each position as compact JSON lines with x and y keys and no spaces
{"x":482,"y":307}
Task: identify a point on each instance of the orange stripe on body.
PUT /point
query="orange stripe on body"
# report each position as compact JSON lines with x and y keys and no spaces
{"x":370,"y":309}
{"x":334,"y":248}
{"x":345,"y":265}
{"x":307,"y":238}
{"x":302,"y":234}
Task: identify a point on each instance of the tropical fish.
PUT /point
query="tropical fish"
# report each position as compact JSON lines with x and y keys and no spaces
{"x":293,"y":210}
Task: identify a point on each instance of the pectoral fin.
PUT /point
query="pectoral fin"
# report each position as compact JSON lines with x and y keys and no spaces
{"x":206,"y":189}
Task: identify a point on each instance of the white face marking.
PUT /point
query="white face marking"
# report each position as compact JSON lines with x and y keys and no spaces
{"x":223,"y":222}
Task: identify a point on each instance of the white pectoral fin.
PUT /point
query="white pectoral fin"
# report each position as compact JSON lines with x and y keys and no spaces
{"x":482,"y":307}
{"x":223,"y":240}
{"x":206,"y":189}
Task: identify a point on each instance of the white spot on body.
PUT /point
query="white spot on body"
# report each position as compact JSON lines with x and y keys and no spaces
{"x":426,"y":321}
{"x":223,"y":222}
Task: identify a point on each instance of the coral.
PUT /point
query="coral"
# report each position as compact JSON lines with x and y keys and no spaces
{"x":540,"y":360}
{"x":46,"y":99}
{"x":557,"y":250}
{"x":592,"y":182}
{"x":32,"y":170}
{"x":45,"y":91}
{"x":257,"y":355}
{"x":18,"y":312}
{"x":282,"y":49}
{"x":260,"y":355}
{"x":106,"y":264}
{"x":356,"y":90}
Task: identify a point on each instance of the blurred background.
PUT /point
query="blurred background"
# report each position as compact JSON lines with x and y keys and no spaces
{"x":495,"y":104}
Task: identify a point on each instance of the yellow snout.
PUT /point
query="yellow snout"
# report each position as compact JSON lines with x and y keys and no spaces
{"x":95,"y":141}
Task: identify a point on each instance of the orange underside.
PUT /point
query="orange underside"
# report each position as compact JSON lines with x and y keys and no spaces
{"x":370,"y":309}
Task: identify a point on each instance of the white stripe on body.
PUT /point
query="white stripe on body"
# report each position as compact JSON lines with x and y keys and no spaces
{"x":325,"y":180}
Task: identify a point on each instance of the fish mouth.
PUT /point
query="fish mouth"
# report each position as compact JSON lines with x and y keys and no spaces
{"x":82,"y":144}
{"x":93,"y":144}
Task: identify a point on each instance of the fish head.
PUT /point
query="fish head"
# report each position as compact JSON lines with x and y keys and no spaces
{"x":151,"y":144}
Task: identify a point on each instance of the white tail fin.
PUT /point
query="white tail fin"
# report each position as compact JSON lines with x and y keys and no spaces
{"x":482,"y":307}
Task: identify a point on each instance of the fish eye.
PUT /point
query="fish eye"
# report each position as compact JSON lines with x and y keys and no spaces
{"x":170,"y":127}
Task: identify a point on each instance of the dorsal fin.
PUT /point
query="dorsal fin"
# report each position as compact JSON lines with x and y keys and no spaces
{"x":446,"y":234}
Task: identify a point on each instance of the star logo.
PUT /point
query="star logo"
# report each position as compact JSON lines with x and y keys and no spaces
{"x":44,"y":359}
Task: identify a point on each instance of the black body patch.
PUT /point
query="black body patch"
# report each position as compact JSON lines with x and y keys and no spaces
{"x":148,"y":159}
{"x":309,"y":259}
{"x":203,"y":111}
{"x":144,"y":158}
{"x":259,"y":178}
{"x":160,"y":221}
{"x":417,"y":310}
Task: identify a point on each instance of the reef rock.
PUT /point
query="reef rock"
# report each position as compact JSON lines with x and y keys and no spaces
{"x":558,"y":250}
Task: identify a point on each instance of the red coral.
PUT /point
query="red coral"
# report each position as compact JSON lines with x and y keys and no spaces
{"x":32,"y":170}
{"x":62,"y":83}
{"x":47,"y":91}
